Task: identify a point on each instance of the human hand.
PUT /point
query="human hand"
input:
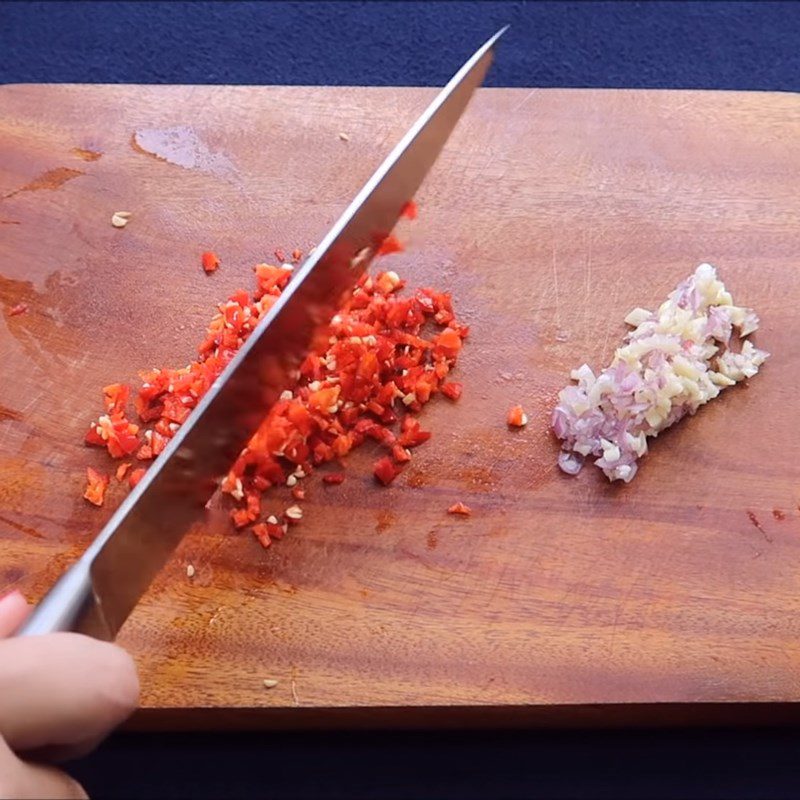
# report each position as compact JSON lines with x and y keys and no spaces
{"x":60,"y":695}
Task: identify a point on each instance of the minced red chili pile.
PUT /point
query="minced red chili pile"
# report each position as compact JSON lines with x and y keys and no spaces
{"x":379,"y":366}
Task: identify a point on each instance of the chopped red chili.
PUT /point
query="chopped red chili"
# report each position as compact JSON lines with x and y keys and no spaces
{"x":96,"y":485}
{"x":145,"y":453}
{"x":18,"y":309}
{"x":276,"y":530}
{"x":122,"y":470}
{"x":114,"y":432}
{"x":376,"y":366}
{"x":136,"y":476}
{"x":409,"y":210}
{"x":210,"y":262}
{"x":386,"y":470}
{"x":460,"y":509}
{"x":411,"y":433}
{"x":452,"y":390}
{"x":516,"y":417}
{"x":391,"y":244}
{"x":400,"y":454}
{"x":261,"y":532}
{"x":116,"y":397}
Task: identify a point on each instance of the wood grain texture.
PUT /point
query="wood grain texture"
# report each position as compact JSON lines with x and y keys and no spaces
{"x":549,"y":216}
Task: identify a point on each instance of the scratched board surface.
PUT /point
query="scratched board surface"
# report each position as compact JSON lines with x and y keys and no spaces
{"x":550,"y":215}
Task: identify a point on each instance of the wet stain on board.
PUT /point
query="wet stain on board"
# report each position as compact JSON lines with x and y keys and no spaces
{"x":181,"y":146}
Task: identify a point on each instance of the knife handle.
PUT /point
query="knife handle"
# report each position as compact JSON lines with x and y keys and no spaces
{"x":69,"y":606}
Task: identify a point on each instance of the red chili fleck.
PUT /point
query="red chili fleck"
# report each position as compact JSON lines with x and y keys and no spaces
{"x":114,"y":431}
{"x":136,"y":476}
{"x":385,"y":470}
{"x":144,"y":453}
{"x":210,"y":261}
{"x":334,"y":478}
{"x":18,"y":309}
{"x":280,"y":255}
{"x":261,"y":532}
{"x":296,"y":255}
{"x":122,"y":469}
{"x":298,"y":493}
{"x":460,"y":508}
{"x":400,"y":454}
{"x":96,"y":485}
{"x":449,"y":342}
{"x":409,"y":210}
{"x":452,"y":390}
{"x":276,"y":530}
{"x":516,"y":417}
{"x":116,"y":397}
{"x":241,"y":517}
{"x":411,"y":433}
{"x":391,"y":244}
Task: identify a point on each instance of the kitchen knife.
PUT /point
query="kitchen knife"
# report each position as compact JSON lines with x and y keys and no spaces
{"x":96,"y":595}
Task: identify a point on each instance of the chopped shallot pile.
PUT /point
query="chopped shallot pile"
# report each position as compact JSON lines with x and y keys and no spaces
{"x":672,"y":362}
{"x":368,"y":381}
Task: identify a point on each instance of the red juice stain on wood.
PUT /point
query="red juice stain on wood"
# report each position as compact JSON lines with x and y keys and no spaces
{"x":480,"y":478}
{"x":778,"y":514}
{"x":27,"y":529}
{"x":416,"y":480}
{"x":754,"y":519}
{"x":52,"y":179}
{"x":7,"y":413}
{"x":86,"y":155}
{"x":12,"y":576}
{"x":433,"y":541}
{"x":385,"y":520}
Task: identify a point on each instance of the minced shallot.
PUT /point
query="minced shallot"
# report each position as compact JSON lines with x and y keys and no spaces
{"x":671,"y":363}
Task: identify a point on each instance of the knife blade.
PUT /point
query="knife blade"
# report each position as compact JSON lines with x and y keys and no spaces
{"x":96,"y":595}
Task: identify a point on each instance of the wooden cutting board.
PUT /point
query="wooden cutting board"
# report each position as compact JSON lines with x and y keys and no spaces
{"x":550,"y":215}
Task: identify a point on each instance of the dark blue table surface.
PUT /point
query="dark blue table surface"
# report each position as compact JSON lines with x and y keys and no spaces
{"x":713,"y":45}
{"x":716,"y":45}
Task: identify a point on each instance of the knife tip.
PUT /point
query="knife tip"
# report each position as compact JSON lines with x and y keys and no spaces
{"x":493,"y":40}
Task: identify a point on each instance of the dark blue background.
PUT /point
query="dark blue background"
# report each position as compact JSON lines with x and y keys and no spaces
{"x":711,"y":45}
{"x":719,"y":45}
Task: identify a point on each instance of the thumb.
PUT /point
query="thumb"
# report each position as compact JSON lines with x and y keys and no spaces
{"x":13,"y":611}
{"x":20,"y":780}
